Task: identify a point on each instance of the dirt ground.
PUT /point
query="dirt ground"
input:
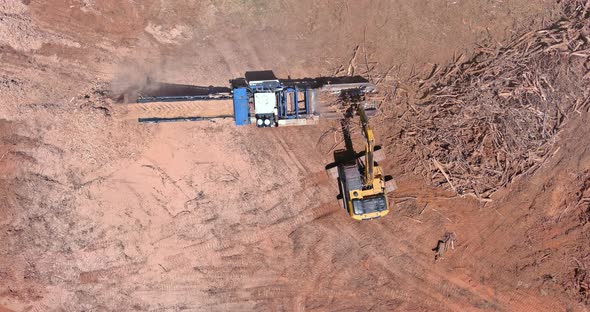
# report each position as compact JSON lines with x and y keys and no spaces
{"x":104,"y":214}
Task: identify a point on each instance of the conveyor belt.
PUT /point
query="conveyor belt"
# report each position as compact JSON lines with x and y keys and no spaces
{"x":177,"y":110}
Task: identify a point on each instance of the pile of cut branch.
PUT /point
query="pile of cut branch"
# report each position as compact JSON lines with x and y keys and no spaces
{"x":477,"y":124}
{"x":579,"y":280}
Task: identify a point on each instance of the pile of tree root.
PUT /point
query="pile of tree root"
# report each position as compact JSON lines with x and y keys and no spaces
{"x":478,"y":123}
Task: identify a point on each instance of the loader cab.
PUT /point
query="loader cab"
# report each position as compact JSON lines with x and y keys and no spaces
{"x":370,"y":205}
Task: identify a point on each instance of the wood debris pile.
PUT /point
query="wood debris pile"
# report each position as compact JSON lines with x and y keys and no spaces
{"x":477,"y":124}
{"x":579,"y":280}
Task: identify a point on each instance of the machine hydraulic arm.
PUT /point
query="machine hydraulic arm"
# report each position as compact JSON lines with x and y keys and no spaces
{"x":369,"y":147}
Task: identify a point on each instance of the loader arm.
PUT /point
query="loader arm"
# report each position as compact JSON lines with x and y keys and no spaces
{"x":369,"y":147}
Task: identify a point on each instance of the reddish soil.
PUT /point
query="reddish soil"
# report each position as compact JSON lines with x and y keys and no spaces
{"x":104,"y":214}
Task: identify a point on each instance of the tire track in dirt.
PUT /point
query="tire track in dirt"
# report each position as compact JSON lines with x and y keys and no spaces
{"x":280,"y":225}
{"x":398,"y":264}
{"x":272,"y":236}
{"x":508,"y":297}
{"x":231,"y":274}
{"x":288,"y":151}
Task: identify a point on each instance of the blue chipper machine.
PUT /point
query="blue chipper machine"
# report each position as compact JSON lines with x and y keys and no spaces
{"x":259,"y":98}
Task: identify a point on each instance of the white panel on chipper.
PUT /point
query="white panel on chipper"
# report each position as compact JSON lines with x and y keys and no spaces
{"x":265,"y":103}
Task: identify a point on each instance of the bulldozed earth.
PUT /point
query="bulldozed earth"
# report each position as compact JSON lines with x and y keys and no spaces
{"x":483,"y":114}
